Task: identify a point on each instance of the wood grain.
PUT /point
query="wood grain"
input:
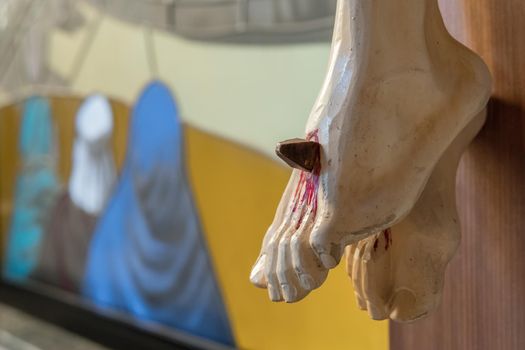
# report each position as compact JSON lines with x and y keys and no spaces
{"x":484,"y":299}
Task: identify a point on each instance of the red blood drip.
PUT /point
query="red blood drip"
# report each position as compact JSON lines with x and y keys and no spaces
{"x":305,"y":195}
{"x":376,"y":244}
{"x":388,"y":238}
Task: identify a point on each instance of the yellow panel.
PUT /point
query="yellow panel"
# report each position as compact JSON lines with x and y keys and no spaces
{"x":9,"y":126}
{"x":63,"y":111}
{"x":237,"y":191}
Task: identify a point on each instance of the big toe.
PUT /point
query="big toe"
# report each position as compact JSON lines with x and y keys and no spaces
{"x":325,"y":245}
{"x":407,"y":307}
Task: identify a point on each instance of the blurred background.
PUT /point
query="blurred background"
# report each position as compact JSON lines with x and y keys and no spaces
{"x":137,"y":175}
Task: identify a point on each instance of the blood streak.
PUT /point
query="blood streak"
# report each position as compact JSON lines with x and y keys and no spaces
{"x":305,"y":195}
{"x":388,"y":238}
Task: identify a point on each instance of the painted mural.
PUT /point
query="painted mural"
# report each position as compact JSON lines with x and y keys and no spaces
{"x":132,"y":244}
{"x":148,"y":255}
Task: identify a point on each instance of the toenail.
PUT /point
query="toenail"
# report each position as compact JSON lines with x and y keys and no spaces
{"x":255,"y":275}
{"x":404,"y":299}
{"x":307,"y":282}
{"x":273,"y":293}
{"x":289,"y":292}
{"x":328,"y":261}
{"x":257,"y":279}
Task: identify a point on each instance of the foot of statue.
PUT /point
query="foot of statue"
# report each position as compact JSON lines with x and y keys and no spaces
{"x":398,"y":273}
{"x":386,"y":114}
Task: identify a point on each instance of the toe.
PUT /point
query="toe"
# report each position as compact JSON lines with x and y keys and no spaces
{"x":283,"y":211}
{"x":407,"y":308}
{"x":270,"y":264}
{"x":257,"y":277}
{"x":326,"y":247}
{"x":357,"y":274}
{"x":276,"y":288}
{"x":350,"y":253}
{"x":349,"y":256}
{"x":309,"y":270}
{"x":272,"y":283}
{"x":419,"y":284}
{"x":288,"y":281}
{"x":376,"y":276}
{"x":263,"y":273}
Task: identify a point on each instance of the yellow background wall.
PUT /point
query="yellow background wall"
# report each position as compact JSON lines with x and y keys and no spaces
{"x":236,"y":191}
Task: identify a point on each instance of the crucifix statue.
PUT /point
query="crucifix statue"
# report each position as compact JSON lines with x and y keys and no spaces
{"x":374,"y":175}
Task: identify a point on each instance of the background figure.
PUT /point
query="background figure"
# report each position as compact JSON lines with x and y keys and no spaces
{"x":73,"y":218}
{"x":36,"y":189}
{"x":93,"y":172}
{"x":148,"y":256}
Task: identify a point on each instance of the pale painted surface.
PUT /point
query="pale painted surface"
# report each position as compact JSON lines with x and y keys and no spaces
{"x":256,"y":95}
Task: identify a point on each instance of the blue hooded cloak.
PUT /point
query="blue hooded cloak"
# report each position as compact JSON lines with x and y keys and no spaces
{"x":148,"y":256}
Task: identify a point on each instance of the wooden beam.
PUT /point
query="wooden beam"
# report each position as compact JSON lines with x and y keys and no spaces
{"x":483,"y":304}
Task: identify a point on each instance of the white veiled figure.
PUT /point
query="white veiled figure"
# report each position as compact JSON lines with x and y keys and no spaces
{"x":93,"y":173}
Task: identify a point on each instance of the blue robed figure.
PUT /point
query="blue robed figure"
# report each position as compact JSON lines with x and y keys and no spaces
{"x":148,"y":255}
{"x":36,"y":188}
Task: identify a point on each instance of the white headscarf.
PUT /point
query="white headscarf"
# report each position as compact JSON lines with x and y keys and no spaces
{"x":93,"y":173}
